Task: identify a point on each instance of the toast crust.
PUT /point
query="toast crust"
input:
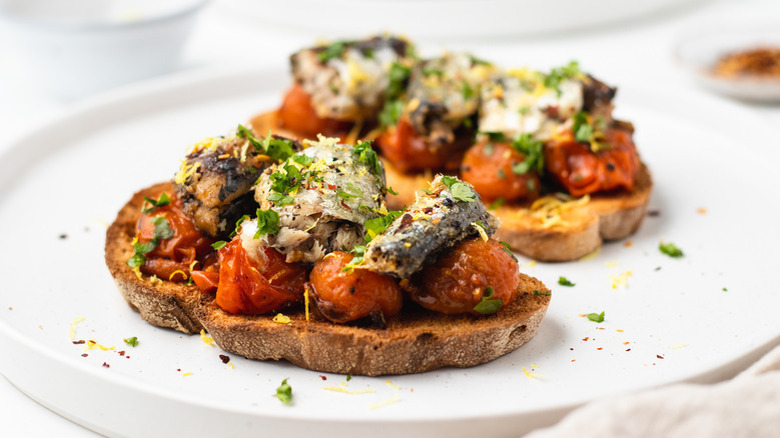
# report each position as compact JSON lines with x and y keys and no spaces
{"x":161,"y":303}
{"x":414,"y":341}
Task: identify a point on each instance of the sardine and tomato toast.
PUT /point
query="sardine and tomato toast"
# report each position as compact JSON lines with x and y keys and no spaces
{"x":287,"y":250}
{"x":542,"y":149}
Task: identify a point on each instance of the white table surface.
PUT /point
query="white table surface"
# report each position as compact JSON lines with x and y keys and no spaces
{"x":634,"y":53}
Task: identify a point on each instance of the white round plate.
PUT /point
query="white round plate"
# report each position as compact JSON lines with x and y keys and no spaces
{"x":699,"y":317}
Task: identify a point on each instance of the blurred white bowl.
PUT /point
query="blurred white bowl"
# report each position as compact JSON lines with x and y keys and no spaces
{"x":79,"y":47}
{"x":701,"y":51}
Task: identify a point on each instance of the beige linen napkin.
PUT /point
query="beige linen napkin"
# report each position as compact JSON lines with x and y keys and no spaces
{"x":746,"y":406}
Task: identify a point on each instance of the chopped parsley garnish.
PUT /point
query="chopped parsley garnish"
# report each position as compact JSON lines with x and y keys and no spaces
{"x":133,"y":342}
{"x":161,"y":202}
{"x":460,"y":190}
{"x":431,"y":71}
{"x":284,"y":392}
{"x":467,"y":91}
{"x":332,"y":51}
{"x":391,"y":112}
{"x":379,"y":224}
{"x":488,"y":305}
{"x":302,"y":159}
{"x":557,"y":75}
{"x":581,"y":128}
{"x":280,"y":199}
{"x":344,"y":195}
{"x":585,"y":132}
{"x":238,"y":224}
{"x":563,"y":281}
{"x":267,"y":222}
{"x":497,"y":203}
{"x":596,"y":317}
{"x":534,"y":154}
{"x":391,"y":191}
{"x":670,"y":249}
{"x":366,"y":155}
{"x":398,"y":76}
{"x":496,"y":137}
{"x":540,"y":293}
{"x":358,"y":251}
{"x":276,"y":148}
{"x":508,"y":249}
{"x":162,"y":231}
{"x":218,"y":244}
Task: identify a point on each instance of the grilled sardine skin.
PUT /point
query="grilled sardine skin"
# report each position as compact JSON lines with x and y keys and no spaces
{"x":436,"y":222}
{"x":215,"y":182}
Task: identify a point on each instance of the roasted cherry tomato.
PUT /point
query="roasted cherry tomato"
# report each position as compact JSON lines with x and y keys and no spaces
{"x":347,"y":295}
{"x":582,"y":171}
{"x":492,"y":168}
{"x":297,"y":115}
{"x":173,"y":257}
{"x":409,"y":152}
{"x":466,"y":279}
{"x":256,"y":287}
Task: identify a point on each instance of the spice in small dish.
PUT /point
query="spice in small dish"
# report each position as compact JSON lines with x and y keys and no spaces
{"x":757,"y":61}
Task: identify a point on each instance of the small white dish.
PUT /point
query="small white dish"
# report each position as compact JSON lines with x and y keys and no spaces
{"x":80,"y":47}
{"x":700,"y":52}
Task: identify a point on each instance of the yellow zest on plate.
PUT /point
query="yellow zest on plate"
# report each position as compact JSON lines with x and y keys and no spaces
{"x":529,"y":374}
{"x":342,"y":388}
{"x":93,"y":345}
{"x":206,"y":338}
{"x":620,"y":280}
{"x":76,"y":321}
{"x":395,"y":398}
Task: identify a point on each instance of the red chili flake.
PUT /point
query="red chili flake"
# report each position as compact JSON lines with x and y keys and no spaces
{"x":346,"y":206}
{"x":84,"y":355}
{"x":574,"y":360}
{"x":331,"y":186}
{"x":127,"y":357}
{"x":225,"y":358}
{"x":121,"y":353}
{"x":628,"y":349}
{"x":323,"y":377}
{"x":659,"y":356}
{"x":106,"y":365}
{"x":178,"y":369}
{"x":599,"y":348}
{"x":586,"y":338}
{"x":80,"y":341}
{"x":571,"y":348}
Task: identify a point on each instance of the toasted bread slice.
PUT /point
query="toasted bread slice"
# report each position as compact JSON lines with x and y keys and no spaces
{"x":415,"y":341}
{"x":577,"y":231}
{"x":161,"y":303}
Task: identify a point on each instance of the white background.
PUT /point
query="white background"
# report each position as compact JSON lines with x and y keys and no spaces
{"x":635,"y":52}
